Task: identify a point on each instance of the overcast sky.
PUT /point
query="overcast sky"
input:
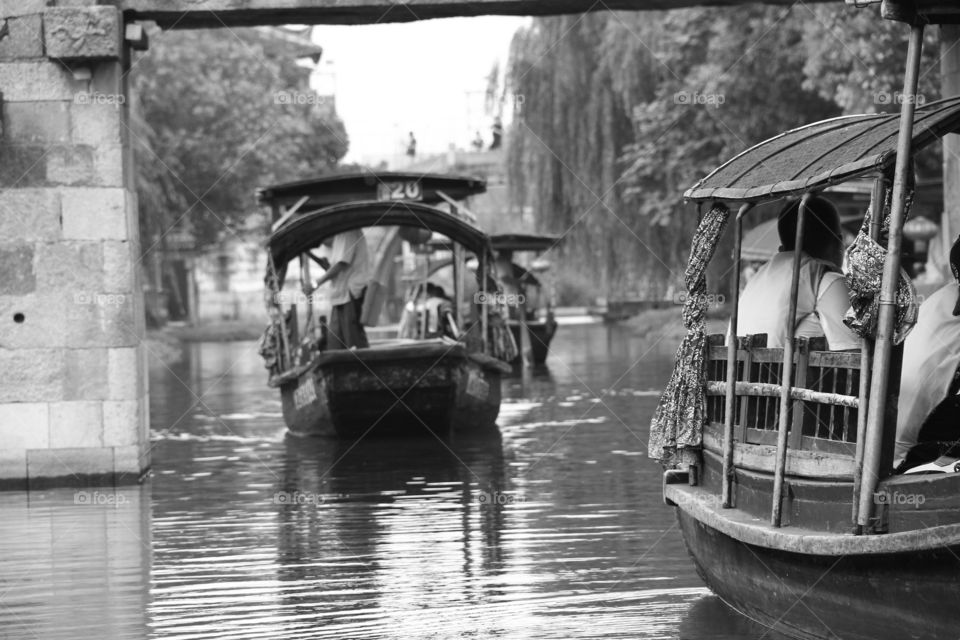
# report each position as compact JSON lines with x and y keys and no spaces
{"x":427,"y":77}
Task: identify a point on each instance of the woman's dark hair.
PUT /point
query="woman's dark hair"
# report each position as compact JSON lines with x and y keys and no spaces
{"x":822,"y":236}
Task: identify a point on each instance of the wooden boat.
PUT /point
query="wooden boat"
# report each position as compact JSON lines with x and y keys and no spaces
{"x":450,"y":380}
{"x":531,"y":321}
{"x":790,"y":506}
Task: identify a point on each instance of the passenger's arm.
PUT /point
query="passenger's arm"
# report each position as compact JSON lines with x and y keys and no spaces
{"x":831,"y":307}
{"x":332,"y":273}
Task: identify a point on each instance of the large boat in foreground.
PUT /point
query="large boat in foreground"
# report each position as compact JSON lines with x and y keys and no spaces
{"x":437,"y":380}
{"x":780,"y":460}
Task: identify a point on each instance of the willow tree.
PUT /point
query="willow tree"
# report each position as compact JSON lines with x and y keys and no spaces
{"x":566,"y":141}
{"x":624,"y":111}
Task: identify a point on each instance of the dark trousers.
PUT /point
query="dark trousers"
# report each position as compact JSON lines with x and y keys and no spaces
{"x":345,"y":330}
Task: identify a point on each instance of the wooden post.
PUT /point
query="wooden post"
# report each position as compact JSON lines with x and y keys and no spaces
{"x":950,"y":87}
{"x":877,"y":199}
{"x":306,"y":285}
{"x":485,"y":303}
{"x":731,"y":399}
{"x":878,"y":410}
{"x":785,"y":401}
{"x":802,"y":351}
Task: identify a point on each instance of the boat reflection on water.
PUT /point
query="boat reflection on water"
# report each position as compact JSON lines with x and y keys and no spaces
{"x":709,"y":618}
{"x":375,"y":528}
{"x":535,"y":381}
{"x":75,"y":563}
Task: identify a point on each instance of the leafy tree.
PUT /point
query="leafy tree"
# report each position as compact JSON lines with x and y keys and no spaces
{"x":564,"y":146}
{"x":734,"y":79}
{"x":221,"y":112}
{"x":857,"y":60}
{"x":624,"y":111}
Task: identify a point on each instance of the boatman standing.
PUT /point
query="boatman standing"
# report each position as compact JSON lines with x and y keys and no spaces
{"x":348,"y":276}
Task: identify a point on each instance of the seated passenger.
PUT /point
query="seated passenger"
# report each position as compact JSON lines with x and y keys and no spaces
{"x":428,"y":315}
{"x":929,"y":411}
{"x":822,"y":296}
{"x":437,"y":311}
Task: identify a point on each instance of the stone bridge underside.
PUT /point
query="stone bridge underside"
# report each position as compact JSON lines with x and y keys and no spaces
{"x":73,"y":381}
{"x":218,"y":13}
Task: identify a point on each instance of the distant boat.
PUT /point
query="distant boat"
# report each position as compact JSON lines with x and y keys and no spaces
{"x":532,"y":318}
{"x":447,"y":380}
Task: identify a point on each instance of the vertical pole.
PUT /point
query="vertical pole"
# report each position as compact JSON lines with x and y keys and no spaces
{"x":731,"y":399}
{"x":787,"y":380}
{"x":485,"y":302}
{"x":950,"y":88}
{"x":877,"y":198}
{"x":306,"y":285}
{"x":888,"y":294}
{"x":193,"y":312}
{"x":457,"y":285}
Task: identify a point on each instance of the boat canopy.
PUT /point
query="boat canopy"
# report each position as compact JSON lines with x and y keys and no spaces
{"x":310,"y":229}
{"x":818,"y":155}
{"x":371,"y":185}
{"x":523,"y":242}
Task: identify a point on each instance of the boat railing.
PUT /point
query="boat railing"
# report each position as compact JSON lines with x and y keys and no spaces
{"x":823,"y":408}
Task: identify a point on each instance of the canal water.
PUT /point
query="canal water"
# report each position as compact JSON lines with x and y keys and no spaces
{"x":552,"y":527}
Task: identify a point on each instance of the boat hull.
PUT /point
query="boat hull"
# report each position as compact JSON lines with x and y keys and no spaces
{"x":426,"y":388}
{"x":911,"y":594}
{"x":537,"y":341}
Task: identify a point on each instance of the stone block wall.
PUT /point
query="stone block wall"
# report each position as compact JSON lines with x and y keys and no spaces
{"x":73,"y":382}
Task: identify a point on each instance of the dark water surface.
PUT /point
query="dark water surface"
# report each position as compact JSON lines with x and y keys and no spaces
{"x":551,"y":528}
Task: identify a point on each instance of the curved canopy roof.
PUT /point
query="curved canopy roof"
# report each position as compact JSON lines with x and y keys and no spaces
{"x":817,"y":155}
{"x":523,"y":242}
{"x":310,"y":229}
{"x":372,"y":185}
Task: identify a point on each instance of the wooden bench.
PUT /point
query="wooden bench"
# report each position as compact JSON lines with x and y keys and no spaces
{"x":823,"y":412}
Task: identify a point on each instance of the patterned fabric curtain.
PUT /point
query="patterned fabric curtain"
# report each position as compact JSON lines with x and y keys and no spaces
{"x":864,"y":275}
{"x":676,"y":431}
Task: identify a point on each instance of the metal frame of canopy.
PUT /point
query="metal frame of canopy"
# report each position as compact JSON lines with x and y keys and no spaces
{"x":428,"y":188}
{"x":855,"y":145}
{"x":887,"y":141}
{"x":308,"y":230}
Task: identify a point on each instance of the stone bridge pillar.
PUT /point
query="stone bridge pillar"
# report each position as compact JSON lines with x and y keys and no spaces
{"x":73,"y":383}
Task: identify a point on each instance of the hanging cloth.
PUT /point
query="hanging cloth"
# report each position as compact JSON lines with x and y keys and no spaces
{"x":864,"y":275}
{"x":676,"y":431}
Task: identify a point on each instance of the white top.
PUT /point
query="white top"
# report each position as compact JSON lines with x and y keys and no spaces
{"x":350,"y":248}
{"x":821,"y":306}
{"x":931,"y":354}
